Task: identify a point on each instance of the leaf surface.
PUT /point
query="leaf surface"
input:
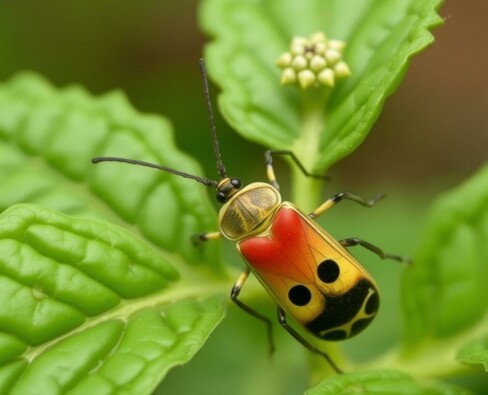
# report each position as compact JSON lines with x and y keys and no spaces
{"x":86,"y":307}
{"x":48,"y":138}
{"x":475,"y":352}
{"x":444,"y":292}
{"x":248,"y":36}
{"x":381,"y":382}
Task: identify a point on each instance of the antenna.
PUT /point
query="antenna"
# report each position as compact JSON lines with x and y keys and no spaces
{"x":218,"y":157}
{"x":203,"y":180}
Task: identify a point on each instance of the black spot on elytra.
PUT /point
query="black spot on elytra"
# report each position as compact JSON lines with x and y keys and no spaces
{"x":299,"y":295}
{"x":336,"y":335}
{"x":358,"y":326}
{"x":328,"y":271}
{"x":372,"y":304}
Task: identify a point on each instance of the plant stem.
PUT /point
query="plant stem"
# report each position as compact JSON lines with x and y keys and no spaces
{"x":306,"y":190}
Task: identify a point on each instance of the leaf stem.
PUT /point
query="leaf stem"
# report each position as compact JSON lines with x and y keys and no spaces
{"x":306,"y":190}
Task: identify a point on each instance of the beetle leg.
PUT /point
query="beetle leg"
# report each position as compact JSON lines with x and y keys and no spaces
{"x":303,"y":341}
{"x":268,"y":160}
{"x":341,"y":196}
{"x":236,"y":289}
{"x":352,"y":242}
{"x":200,"y":237}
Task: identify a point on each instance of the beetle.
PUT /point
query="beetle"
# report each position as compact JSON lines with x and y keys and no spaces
{"x":311,"y":276}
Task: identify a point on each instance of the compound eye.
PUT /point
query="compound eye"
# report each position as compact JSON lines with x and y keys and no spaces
{"x":236,"y":183}
{"x":221,"y":198}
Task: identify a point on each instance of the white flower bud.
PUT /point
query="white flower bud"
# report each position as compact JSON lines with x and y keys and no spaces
{"x":317,"y":63}
{"x":299,"y":63}
{"x":320,"y":48}
{"x":332,"y":56}
{"x":299,"y":41}
{"x":288,"y":76}
{"x":306,"y":78}
{"x":342,"y":70}
{"x":318,"y":37}
{"x":284,"y":60}
{"x":337,"y":45}
{"x":326,"y":77}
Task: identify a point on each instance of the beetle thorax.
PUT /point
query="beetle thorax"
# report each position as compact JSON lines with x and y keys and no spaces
{"x":249,"y":211}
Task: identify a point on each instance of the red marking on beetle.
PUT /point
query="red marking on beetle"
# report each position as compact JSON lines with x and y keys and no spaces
{"x":288,"y":251}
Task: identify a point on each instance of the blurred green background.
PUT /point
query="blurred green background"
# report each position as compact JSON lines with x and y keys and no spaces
{"x":431,"y":135}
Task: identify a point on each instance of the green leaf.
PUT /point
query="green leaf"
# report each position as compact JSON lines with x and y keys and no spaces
{"x":444,"y":292}
{"x":47,"y":140}
{"x":248,"y":36}
{"x":475,"y":352}
{"x":85,"y":307}
{"x":381,"y":382}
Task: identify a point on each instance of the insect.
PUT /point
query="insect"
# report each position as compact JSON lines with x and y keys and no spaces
{"x":311,"y":276}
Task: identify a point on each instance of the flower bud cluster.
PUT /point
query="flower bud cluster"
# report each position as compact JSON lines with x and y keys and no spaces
{"x":313,"y":61}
